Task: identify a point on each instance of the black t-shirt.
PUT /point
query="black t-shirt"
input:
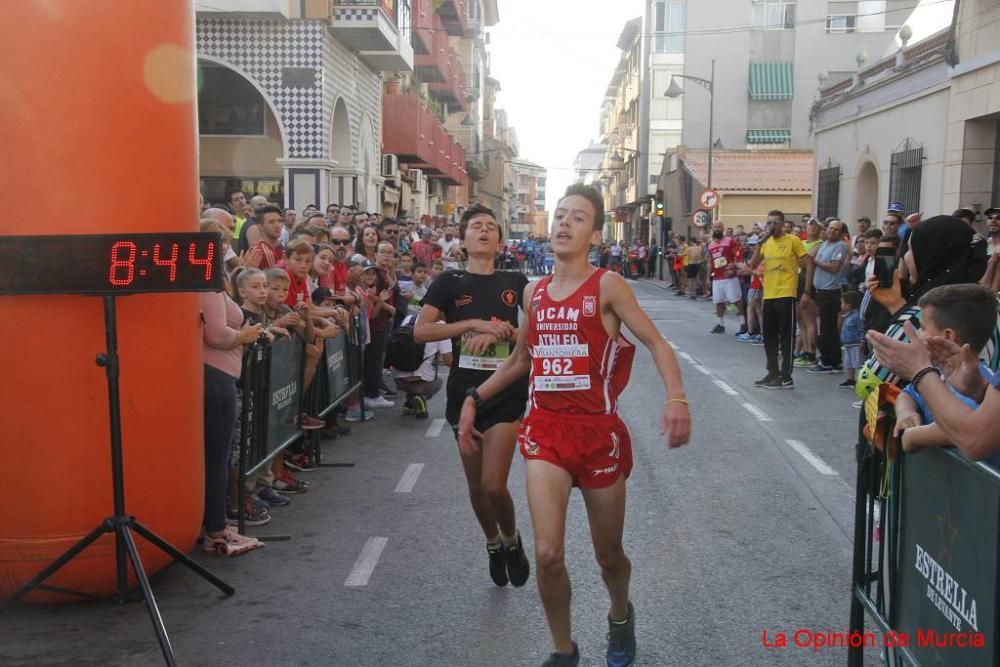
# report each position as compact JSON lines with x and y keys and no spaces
{"x":460,"y":296}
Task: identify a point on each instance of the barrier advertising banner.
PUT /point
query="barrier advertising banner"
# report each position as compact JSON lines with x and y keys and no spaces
{"x":284,"y":393}
{"x":337,"y":367}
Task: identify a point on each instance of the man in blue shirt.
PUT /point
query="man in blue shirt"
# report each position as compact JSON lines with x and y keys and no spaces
{"x":831,"y":257}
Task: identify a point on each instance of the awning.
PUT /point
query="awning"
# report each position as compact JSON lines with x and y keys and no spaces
{"x":768,"y":136}
{"x":771,"y":81}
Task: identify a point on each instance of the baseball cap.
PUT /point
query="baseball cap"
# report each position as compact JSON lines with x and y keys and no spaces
{"x":753,"y":240}
{"x":321,"y":294}
{"x":896,"y":207}
{"x":357,"y":259}
{"x":368,"y":265}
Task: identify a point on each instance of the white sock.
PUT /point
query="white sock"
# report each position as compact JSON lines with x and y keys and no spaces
{"x":721,"y":321}
{"x":494,"y":541}
{"x":508,"y":540}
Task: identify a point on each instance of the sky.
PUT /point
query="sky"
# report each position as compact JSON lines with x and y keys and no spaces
{"x":554,"y":59}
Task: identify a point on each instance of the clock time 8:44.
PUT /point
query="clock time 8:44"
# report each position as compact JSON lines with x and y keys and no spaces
{"x":159,"y":263}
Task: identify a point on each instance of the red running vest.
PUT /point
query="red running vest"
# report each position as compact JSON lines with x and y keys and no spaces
{"x":576,"y":368}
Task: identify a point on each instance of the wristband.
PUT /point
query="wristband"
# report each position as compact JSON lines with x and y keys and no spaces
{"x":473,"y":393}
{"x":677,"y":400}
{"x":921,"y":374}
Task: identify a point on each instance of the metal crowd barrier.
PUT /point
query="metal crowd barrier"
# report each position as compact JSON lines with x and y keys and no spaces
{"x":930,"y":584}
{"x":272,"y":398}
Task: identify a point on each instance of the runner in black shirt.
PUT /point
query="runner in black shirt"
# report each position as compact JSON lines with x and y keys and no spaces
{"x":478,"y":309}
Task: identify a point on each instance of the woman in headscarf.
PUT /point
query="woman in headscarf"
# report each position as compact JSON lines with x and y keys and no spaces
{"x":942,"y":251}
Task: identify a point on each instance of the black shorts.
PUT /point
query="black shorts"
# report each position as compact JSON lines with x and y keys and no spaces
{"x":692,"y":270}
{"x":507,"y":407}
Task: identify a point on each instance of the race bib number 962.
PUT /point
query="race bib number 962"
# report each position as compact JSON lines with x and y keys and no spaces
{"x":561,"y":367}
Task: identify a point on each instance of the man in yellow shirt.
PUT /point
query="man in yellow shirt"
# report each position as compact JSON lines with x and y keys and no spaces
{"x":781,"y":255}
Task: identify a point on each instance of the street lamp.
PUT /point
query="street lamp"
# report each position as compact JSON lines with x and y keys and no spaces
{"x":674,"y":91}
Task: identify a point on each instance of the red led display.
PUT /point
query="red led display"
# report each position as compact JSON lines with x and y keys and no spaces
{"x":111,"y":263}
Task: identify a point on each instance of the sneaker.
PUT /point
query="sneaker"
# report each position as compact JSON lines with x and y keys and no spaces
{"x":560,"y":660}
{"x":838,"y":368}
{"x":857,"y":405}
{"x":820,"y":368}
{"x":272,"y":497}
{"x":379,"y":402}
{"x":847,"y":384}
{"x":498,"y":566}
{"x":302,"y":462}
{"x":254,"y":513}
{"x":621,"y":640}
{"x":408,"y":409}
{"x":770,"y":377}
{"x":354,"y":415}
{"x":757,"y":340}
{"x":307,"y":422}
{"x":718,"y":329}
{"x":518,"y":567}
{"x":288,"y":484}
{"x":744,"y":338}
{"x":389,"y":393}
{"x":779,"y":383}
{"x":803,"y":362}
{"x":743,"y":331}
{"x":420,"y":407}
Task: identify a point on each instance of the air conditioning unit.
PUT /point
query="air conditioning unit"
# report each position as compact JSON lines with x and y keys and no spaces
{"x":390,"y":165}
{"x":416,"y":176}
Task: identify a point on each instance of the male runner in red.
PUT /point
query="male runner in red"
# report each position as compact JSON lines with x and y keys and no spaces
{"x":725,"y":254}
{"x":579,"y":363}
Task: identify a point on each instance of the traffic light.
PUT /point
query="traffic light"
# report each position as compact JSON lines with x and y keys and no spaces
{"x":659,"y":209}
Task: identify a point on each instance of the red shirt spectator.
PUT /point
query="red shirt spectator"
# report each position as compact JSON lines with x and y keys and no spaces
{"x":298,"y":291}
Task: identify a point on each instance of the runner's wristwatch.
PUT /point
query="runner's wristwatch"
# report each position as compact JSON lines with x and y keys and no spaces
{"x":473,"y":393}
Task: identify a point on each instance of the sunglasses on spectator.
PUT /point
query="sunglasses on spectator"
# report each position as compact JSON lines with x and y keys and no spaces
{"x":340,"y":242}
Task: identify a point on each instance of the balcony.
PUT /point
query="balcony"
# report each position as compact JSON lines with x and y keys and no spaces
{"x":433,"y":66}
{"x":423,"y":30}
{"x":453,"y":15}
{"x":452,"y":89}
{"x":412,"y":133}
{"x":377,"y":30}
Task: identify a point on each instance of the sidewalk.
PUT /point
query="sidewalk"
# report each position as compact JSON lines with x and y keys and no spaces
{"x":662,"y":284}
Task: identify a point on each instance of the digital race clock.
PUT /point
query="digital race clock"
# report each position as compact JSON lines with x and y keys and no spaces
{"x":111,"y":263}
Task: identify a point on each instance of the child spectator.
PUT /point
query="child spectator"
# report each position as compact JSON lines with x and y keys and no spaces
{"x":966,"y":315}
{"x":297,"y":264}
{"x":416,"y":288}
{"x":852,"y":335}
{"x":437,"y":268}
{"x":406,"y":264}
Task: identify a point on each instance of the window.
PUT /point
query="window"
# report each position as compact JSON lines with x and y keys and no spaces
{"x":228,"y":103}
{"x":214,"y":188}
{"x":774,"y":14}
{"x":840,"y":24}
{"x":828,"y":197}
{"x":905,"y":174}
{"x":669,"y":24}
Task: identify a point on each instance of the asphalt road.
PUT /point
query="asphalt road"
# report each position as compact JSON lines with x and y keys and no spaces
{"x":745,"y":530}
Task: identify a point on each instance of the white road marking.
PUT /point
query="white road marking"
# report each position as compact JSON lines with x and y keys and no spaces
{"x":756,"y":412}
{"x":726,"y":388}
{"x":366,"y":562}
{"x":701,"y":369}
{"x":434,"y":430}
{"x":409,"y":478}
{"x":685,"y":356}
{"x":813,"y":460}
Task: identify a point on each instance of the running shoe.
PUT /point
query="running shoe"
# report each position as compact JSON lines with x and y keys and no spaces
{"x":518,"y":567}
{"x":857,"y":404}
{"x":560,"y":660}
{"x":408,"y":409}
{"x":272,"y":497}
{"x":354,"y":415}
{"x":847,"y":384}
{"x":779,"y":383}
{"x":302,"y":462}
{"x":420,"y":407}
{"x":718,"y":329}
{"x":388,"y":393}
{"x":770,"y":377}
{"x":743,"y":331}
{"x":621,"y":640}
{"x":820,"y":368}
{"x":307,"y":422}
{"x":254,"y":513}
{"x":285,"y":483}
{"x":744,"y":337}
{"x":379,"y":402}
{"x":498,"y":565}
{"x":803,"y":362}
{"x":757,"y":340}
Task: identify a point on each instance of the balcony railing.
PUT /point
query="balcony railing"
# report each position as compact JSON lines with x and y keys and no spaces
{"x":453,"y":14}
{"x":415,"y":135}
{"x":423,"y":31}
{"x":377,"y":30}
{"x":452,"y":89}
{"x":434,"y":66}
